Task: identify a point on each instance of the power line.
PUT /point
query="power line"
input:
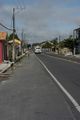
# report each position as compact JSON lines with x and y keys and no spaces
{"x":6,"y":27}
{"x":11,"y":21}
{"x":21,"y":5}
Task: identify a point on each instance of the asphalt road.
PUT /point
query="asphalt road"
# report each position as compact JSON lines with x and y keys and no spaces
{"x":30,"y":93}
{"x":66,"y":72}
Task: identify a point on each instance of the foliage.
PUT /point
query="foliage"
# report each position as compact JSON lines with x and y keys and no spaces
{"x":55,"y":43}
{"x":69,"y":43}
{"x":7,"y":36}
{"x":47,"y":45}
{"x":11,"y":36}
{"x":28,"y":46}
{"x":61,"y":44}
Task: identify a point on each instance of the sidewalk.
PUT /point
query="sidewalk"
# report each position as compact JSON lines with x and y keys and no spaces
{"x":4,"y":66}
{"x":7,"y":64}
{"x":31,"y":94}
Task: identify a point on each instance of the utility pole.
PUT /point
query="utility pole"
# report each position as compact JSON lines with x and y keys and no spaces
{"x":73,"y":42}
{"x":58,"y":44}
{"x":13,"y":51}
{"x":22,"y":35}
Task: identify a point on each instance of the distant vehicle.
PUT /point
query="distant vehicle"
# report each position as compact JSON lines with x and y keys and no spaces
{"x":37,"y":50}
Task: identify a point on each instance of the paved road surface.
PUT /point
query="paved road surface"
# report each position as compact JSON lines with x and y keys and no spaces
{"x":31,"y":94}
{"x":66,"y":72}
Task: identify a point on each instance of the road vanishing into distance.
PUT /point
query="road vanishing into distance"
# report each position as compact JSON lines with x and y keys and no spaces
{"x":41,"y":87}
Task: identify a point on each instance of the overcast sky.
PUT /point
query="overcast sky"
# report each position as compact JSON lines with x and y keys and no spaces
{"x":41,"y":19}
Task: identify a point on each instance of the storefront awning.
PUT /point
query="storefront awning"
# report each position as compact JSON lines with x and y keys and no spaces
{"x":16,"y":41}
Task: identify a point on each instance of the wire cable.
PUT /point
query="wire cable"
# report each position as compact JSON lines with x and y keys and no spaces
{"x":6,"y":27}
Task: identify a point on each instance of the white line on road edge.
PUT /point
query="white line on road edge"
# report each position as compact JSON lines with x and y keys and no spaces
{"x":76,"y":105}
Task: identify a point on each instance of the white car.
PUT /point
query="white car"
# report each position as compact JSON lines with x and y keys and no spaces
{"x":38,"y":49}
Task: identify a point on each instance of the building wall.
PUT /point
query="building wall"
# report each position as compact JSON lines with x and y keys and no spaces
{"x":1,"y":51}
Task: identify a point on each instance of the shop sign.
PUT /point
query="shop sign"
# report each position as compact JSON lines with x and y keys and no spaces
{"x":3,"y":35}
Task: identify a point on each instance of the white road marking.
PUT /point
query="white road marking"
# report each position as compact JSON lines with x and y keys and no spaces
{"x":76,"y":105}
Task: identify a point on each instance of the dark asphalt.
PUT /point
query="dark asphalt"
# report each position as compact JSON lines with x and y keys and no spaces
{"x":67,"y":73}
{"x":71,"y":57}
{"x":30,"y":93}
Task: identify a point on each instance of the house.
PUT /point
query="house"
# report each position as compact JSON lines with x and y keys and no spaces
{"x":65,"y":51}
{"x":17,"y":48}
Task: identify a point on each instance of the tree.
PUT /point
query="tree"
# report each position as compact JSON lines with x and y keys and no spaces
{"x":61,"y":44}
{"x":11,"y":36}
{"x":55,"y":44}
{"x":47,"y":45}
{"x":69,"y":43}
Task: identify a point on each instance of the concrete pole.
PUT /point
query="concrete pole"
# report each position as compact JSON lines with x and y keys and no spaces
{"x":73,"y":44}
{"x":58,"y":44}
{"x":22,"y":35}
{"x":13,"y":51}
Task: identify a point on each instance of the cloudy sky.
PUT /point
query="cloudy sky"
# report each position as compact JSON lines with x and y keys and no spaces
{"x":41,"y":19}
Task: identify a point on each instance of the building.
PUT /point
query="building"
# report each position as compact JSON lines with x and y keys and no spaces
{"x":17,"y":48}
{"x":3,"y":46}
{"x":76,"y":35}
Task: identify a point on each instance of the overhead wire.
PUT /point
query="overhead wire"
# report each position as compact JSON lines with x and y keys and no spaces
{"x":20,"y":4}
{"x":19,"y":7}
{"x":6,"y":27}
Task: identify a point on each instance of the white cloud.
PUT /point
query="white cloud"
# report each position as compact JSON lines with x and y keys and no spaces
{"x":44,"y":20}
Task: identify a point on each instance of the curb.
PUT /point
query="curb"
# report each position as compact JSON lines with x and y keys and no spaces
{"x":6,"y":68}
{"x":10,"y":64}
{"x":20,"y":57}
